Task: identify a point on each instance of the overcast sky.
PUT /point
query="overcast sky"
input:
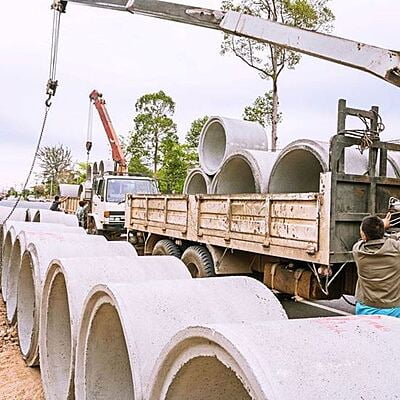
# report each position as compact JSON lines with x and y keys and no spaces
{"x":125,"y":56}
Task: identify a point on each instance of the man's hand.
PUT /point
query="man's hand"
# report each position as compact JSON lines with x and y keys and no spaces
{"x":386,"y":221}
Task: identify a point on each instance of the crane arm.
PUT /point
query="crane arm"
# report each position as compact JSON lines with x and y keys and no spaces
{"x":380,"y":62}
{"x":117,"y":154}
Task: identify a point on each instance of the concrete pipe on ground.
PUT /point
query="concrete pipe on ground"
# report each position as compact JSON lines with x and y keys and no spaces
{"x":299,"y":165}
{"x":59,"y":235}
{"x":89,"y":172}
{"x":282,"y":360}
{"x":34,"y":264}
{"x":67,"y":284}
{"x":55,"y":217}
{"x":30,"y":214}
{"x":139,"y":320}
{"x":245,"y":171}
{"x":69,"y":190}
{"x":14,"y":247}
{"x":197,"y":182}
{"x":222,"y":136}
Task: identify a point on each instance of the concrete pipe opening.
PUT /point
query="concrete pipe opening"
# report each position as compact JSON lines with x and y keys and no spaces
{"x":7,"y":248}
{"x":245,"y":171}
{"x":197,"y":182}
{"x":12,"y":281}
{"x":27,"y":306}
{"x":95,"y":169}
{"x":108,"y":368}
{"x":58,"y":339}
{"x":298,"y":171}
{"x":216,"y":381}
{"x":222,"y":136}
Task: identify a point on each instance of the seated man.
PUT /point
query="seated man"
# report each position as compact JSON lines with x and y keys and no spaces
{"x":55,"y":205}
{"x":378,"y":265}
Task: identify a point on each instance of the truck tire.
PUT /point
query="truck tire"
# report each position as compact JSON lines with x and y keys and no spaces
{"x":198,"y":261}
{"x":166,"y":247}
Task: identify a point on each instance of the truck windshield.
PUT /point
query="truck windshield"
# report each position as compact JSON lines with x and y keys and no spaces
{"x":118,"y":188}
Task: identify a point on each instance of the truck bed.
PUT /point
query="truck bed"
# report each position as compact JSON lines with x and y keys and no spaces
{"x":292,"y":226}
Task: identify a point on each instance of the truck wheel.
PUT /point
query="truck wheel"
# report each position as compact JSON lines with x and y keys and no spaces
{"x":166,"y":247}
{"x":198,"y":261}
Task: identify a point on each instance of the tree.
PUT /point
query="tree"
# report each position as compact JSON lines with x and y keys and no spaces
{"x":39,"y":191}
{"x":152,"y":125}
{"x":56,"y":164}
{"x":193,"y":135}
{"x":171,"y":176}
{"x":270,"y":60}
{"x":261,"y":110}
{"x":192,"y":139}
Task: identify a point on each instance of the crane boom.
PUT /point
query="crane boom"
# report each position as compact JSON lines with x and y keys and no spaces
{"x":380,"y":62}
{"x":117,"y":154}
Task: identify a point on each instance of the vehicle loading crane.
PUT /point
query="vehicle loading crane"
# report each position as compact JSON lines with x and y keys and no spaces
{"x":118,"y":157}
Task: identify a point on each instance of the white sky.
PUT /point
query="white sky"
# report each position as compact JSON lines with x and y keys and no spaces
{"x":125,"y":56}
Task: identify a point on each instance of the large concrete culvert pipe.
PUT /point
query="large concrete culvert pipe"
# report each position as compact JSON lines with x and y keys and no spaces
{"x":282,"y":360}
{"x":67,"y":284}
{"x":106,"y":166}
{"x":197,"y":182}
{"x":55,"y":217}
{"x":299,"y":165}
{"x":245,"y":171}
{"x":11,"y":230}
{"x":146,"y":316}
{"x":222,"y":136}
{"x":32,"y":273}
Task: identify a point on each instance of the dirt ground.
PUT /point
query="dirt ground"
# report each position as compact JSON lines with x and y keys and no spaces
{"x":17,"y":381}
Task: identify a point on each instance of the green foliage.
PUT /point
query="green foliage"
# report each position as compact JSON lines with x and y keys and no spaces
{"x":79,"y":173}
{"x":137,"y":167}
{"x":268,"y":59}
{"x":152,"y":125}
{"x":39,"y":191}
{"x":192,"y":140}
{"x":193,"y":135}
{"x":172,"y":174}
{"x":261,"y":110}
{"x":12,"y":192}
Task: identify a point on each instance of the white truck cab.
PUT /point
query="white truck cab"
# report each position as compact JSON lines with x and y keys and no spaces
{"x":107,"y":214}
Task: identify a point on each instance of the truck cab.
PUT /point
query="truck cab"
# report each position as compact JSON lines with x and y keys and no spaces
{"x":107,"y":214}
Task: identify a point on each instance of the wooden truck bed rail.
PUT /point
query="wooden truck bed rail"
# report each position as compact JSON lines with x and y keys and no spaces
{"x":293,"y":226}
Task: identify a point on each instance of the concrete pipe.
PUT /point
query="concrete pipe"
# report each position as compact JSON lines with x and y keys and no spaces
{"x":34,"y":264}
{"x":197,"y":182}
{"x":106,"y":166}
{"x":95,"y":169}
{"x":30,"y":214}
{"x":282,"y":360}
{"x":89,"y":172}
{"x":222,"y":136}
{"x":68,"y":190}
{"x":245,"y":171}
{"x":60,"y":235}
{"x":67,"y":283}
{"x":11,"y":230}
{"x":139,"y":320}
{"x":299,"y":165}
{"x":56,"y":217}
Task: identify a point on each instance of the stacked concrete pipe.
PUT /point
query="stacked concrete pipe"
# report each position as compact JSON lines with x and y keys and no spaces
{"x":299,"y":165}
{"x":55,"y":217}
{"x":12,"y":253}
{"x":34,"y":264}
{"x":124,"y":327}
{"x":95,"y":169}
{"x":65,"y":237}
{"x":311,"y":359}
{"x":197,"y":182}
{"x":67,"y":283}
{"x":244,"y":171}
{"x":222,"y":136}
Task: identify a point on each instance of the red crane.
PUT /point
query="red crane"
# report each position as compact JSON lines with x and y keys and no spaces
{"x":117,"y":154}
